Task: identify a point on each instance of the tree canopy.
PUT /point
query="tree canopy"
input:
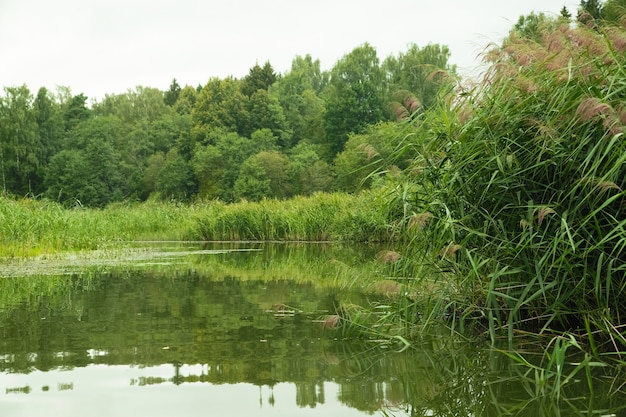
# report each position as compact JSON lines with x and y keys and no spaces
{"x":266,"y":135}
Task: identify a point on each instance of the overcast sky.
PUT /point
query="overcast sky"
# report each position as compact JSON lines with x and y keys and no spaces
{"x":108,"y":46}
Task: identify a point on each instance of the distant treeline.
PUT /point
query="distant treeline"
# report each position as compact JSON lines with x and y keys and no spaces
{"x":264,"y":135}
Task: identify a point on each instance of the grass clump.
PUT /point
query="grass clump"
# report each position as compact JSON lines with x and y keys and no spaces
{"x":321,"y":217}
{"x":518,"y":194}
{"x":31,"y":227}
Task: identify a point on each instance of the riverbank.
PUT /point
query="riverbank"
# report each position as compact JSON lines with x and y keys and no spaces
{"x":30,"y":227}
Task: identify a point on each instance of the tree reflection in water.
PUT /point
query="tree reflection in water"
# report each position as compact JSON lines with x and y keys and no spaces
{"x":220,"y":329}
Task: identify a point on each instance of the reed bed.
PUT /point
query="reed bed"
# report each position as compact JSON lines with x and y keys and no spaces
{"x":518,"y":193}
{"x":321,"y":217}
{"x":31,"y":227}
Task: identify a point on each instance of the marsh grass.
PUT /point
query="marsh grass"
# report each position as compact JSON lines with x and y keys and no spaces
{"x":321,"y":217}
{"x":517,"y":198}
{"x":33,"y":227}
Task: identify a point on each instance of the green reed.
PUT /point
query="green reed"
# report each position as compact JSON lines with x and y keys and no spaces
{"x":32,"y":227}
{"x":321,"y":217}
{"x":516,"y":202}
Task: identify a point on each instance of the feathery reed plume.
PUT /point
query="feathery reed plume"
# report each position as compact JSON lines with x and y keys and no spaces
{"x":388,"y":288}
{"x":370,"y":151}
{"x":542,"y":212}
{"x":412,"y":104}
{"x":617,"y":38}
{"x":331,"y":322}
{"x":449,"y":251}
{"x":591,"y":108}
{"x":388,"y":256}
{"x":419,"y":220}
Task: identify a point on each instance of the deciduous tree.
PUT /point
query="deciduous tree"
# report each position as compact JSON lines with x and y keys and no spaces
{"x":418,"y":71}
{"x":20,"y":146}
{"x":353,"y":97}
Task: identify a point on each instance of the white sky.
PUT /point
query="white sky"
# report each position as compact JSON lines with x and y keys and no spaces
{"x":108,"y":46}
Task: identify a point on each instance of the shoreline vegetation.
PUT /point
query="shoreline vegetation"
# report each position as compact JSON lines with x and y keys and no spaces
{"x":508,"y":197}
{"x":29,"y":227}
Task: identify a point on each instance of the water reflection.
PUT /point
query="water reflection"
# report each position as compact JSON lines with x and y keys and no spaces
{"x":231,"y":327}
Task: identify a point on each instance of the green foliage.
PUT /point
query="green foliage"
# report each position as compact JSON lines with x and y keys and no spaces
{"x":175,"y":180}
{"x":565,"y":14}
{"x":597,"y":13}
{"x":220,"y":165}
{"x":48,"y":144}
{"x":369,"y":153}
{"x":222,"y":162}
{"x":186,"y":100}
{"x":220,"y":105}
{"x":519,"y":188}
{"x":308,"y":172}
{"x":50,"y":125}
{"x":593,"y":8}
{"x":31,"y":227}
{"x":613,"y":11}
{"x":87,"y":171}
{"x":154,"y":165}
{"x":209,"y":168}
{"x":264,"y":175}
{"x":320,"y":217}
{"x":76,"y":111}
{"x":21,"y":151}
{"x":298,"y":93}
{"x":266,"y":113}
{"x":143,"y":104}
{"x":171,"y":96}
{"x":531,"y":26}
{"x":353,"y":96}
{"x":252,"y":183}
{"x":422,"y":72}
{"x":259,"y":78}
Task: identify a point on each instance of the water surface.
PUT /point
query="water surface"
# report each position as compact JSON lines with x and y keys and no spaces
{"x":228,"y":329}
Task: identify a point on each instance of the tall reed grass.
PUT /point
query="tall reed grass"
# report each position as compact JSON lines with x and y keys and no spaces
{"x":518,"y":193}
{"x":321,"y":217}
{"x":31,"y":227}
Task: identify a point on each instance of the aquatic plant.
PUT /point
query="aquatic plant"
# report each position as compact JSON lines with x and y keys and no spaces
{"x":320,"y":217}
{"x":517,"y":199}
{"x":30,"y":227}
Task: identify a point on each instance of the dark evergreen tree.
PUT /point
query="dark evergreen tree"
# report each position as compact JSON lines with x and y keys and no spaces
{"x":259,"y":78}
{"x":76,"y":112}
{"x":565,"y":14}
{"x":589,"y":10}
{"x":613,"y":11}
{"x":171,"y":95}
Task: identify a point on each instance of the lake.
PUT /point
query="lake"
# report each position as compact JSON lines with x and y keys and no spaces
{"x":196,"y":329}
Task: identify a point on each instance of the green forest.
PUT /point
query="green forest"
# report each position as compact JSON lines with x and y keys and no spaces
{"x":266,"y":135}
